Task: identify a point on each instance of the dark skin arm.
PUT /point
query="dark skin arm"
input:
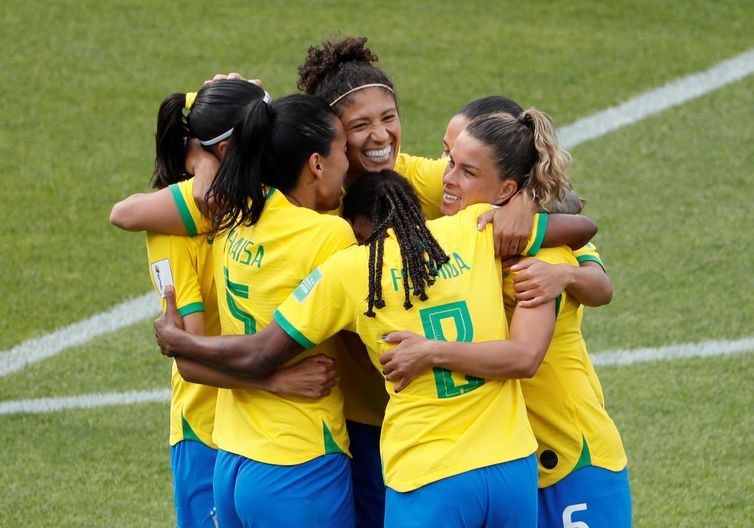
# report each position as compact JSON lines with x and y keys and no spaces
{"x":311,"y":378}
{"x":251,"y":356}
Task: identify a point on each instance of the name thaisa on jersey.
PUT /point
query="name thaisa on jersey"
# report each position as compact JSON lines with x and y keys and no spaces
{"x":244,"y":251}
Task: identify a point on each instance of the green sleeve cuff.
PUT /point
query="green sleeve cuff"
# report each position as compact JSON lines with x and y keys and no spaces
{"x":294,"y":334}
{"x":591,"y":258}
{"x":191,"y":308}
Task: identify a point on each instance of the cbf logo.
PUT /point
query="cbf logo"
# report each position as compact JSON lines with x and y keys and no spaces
{"x":162,"y":275}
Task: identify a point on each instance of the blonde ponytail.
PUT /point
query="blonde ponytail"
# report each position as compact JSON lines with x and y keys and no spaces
{"x":548,"y":180}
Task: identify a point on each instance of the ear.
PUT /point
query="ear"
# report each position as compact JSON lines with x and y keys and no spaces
{"x":221,"y":148}
{"x":315,"y":165}
{"x":506,"y":190}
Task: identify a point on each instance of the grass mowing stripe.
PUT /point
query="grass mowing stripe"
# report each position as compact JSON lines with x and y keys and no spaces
{"x":656,"y":100}
{"x":685,"y":350}
{"x":611,"y":358}
{"x":591,"y":127}
{"x":83,"y":401}
{"x":40,"y":348}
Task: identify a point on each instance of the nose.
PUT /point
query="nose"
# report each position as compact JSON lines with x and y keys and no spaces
{"x":379,"y":133}
{"x":450,"y":176}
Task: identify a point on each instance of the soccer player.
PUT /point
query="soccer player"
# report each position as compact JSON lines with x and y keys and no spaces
{"x":186,"y":263}
{"x":282,"y":461}
{"x":582,"y":464}
{"x":536,"y":280}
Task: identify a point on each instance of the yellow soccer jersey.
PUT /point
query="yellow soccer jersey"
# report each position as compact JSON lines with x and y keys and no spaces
{"x":564,"y":399}
{"x":425,"y":176}
{"x":185,"y":263}
{"x":262,"y":265}
{"x":443,"y":423}
{"x":364,"y":392}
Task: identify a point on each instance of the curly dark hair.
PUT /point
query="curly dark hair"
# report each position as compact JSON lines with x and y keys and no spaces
{"x":336,"y":67}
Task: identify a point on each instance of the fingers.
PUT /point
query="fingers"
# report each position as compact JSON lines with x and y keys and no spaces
{"x":397,"y":337}
{"x":533,"y":303}
{"x":509,"y":262}
{"x":484,"y":219}
{"x":171,"y":311}
{"x":522,"y":265}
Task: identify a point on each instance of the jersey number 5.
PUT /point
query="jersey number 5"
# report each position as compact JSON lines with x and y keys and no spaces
{"x":239,"y":290}
{"x":458,"y":315}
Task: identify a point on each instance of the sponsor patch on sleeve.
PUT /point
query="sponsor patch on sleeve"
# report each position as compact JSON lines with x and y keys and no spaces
{"x":162,"y":275}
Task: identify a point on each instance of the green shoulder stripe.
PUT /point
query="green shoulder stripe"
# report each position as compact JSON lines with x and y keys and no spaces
{"x":183,"y":210}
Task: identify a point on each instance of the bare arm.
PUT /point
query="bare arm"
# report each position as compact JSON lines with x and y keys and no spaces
{"x":155,"y":211}
{"x":311,"y":378}
{"x":253,"y":356}
{"x":537,"y":282}
{"x":569,"y":230}
{"x":517,"y":357}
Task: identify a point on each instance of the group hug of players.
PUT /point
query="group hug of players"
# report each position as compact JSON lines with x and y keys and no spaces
{"x":362,"y":337}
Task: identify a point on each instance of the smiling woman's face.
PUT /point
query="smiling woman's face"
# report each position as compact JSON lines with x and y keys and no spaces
{"x":471,"y":176}
{"x":373,"y":128}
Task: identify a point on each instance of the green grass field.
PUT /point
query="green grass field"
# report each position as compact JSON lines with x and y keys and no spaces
{"x":83,"y":81}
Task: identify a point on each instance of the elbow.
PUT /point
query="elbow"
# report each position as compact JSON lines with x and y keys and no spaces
{"x":119,"y":217}
{"x":257,"y":365}
{"x":588,"y":230}
{"x":186,"y":373}
{"x":529,"y":364}
{"x":529,"y":370}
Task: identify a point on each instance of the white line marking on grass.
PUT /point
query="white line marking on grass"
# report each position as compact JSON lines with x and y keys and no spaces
{"x":591,"y":127}
{"x":611,"y":358}
{"x":686,"y":350}
{"x":657,"y":100}
{"x":120,"y":316}
{"x":83,"y":401}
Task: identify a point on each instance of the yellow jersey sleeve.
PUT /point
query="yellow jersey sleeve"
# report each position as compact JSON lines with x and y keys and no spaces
{"x":425,"y":176}
{"x":182,"y":263}
{"x":183,"y":195}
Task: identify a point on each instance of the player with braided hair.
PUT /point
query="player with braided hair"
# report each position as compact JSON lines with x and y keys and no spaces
{"x":447,"y":439}
{"x":393,"y":206}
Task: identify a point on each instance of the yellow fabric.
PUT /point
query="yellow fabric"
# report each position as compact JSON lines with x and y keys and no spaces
{"x":188,"y":261}
{"x":564,"y":399}
{"x":443,"y":423}
{"x":425,"y":176}
{"x":262,"y":265}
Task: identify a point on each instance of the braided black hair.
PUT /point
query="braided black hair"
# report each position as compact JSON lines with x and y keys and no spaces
{"x":388,"y":201}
